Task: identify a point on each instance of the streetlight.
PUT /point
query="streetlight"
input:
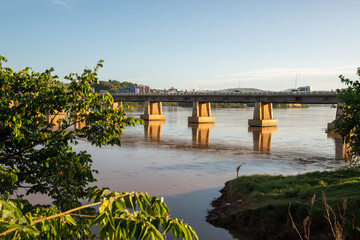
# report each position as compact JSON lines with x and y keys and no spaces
{"x":296,"y":79}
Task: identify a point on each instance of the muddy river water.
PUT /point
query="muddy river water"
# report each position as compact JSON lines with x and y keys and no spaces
{"x":188,"y":165}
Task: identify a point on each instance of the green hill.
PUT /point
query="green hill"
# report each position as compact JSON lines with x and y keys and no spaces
{"x":113,"y":85}
{"x":241,"y":89}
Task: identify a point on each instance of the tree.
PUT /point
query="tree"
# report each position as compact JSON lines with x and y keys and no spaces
{"x":35,"y":143}
{"x":39,"y":121}
{"x":113,"y":85}
{"x":348,"y":124}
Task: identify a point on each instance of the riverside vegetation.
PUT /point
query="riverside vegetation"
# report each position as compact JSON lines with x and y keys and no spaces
{"x":36,"y":155}
{"x":258,"y":204}
{"x":318,"y":205}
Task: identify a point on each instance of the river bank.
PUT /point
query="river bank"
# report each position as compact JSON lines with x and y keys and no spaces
{"x":258,"y":205}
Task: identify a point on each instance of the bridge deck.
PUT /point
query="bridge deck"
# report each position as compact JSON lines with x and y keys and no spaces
{"x":250,"y":97}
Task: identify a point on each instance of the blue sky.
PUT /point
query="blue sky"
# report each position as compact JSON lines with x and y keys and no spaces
{"x":188,"y":44}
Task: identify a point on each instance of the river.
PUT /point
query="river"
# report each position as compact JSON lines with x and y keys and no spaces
{"x":188,"y":165}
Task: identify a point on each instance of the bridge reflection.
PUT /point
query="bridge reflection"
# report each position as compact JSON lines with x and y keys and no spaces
{"x":340,"y":146}
{"x":201,"y":133}
{"x":152,"y":130}
{"x":262,"y":137}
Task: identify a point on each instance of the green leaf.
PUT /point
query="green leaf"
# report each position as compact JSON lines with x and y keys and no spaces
{"x":70,"y":219}
{"x":99,"y":218}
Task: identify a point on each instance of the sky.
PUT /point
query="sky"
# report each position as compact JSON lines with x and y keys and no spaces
{"x":188,"y":44}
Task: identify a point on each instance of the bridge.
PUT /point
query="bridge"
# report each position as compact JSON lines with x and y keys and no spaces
{"x":246,"y":97}
{"x":263,"y":111}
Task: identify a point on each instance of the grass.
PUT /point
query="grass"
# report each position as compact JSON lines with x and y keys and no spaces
{"x":257,"y":188}
{"x":267,"y":197}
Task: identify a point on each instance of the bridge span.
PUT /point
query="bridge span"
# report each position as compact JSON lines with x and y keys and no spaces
{"x":263,"y":111}
{"x":247,"y":97}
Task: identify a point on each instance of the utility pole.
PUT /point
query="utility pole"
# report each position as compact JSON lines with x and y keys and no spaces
{"x":296,"y":79}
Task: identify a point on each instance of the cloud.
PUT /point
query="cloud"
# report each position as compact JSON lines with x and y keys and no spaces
{"x":61,"y":3}
{"x":263,"y":74}
{"x":279,"y":78}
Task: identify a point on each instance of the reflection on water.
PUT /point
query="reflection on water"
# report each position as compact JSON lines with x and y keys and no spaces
{"x":201,"y":133}
{"x":181,"y":163}
{"x":152,"y":130}
{"x":179,"y":206}
{"x":188,"y":168}
{"x":340,"y":146}
{"x":262,"y":137}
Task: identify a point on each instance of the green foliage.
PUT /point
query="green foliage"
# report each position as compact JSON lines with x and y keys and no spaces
{"x":36,"y":153}
{"x":289,"y":105}
{"x":113,"y":85}
{"x":278,"y":188}
{"x":119,"y":216}
{"x":34,"y":143}
{"x":238,"y":168}
{"x":263,"y":200}
{"x":231,"y":105}
{"x":348,"y":124}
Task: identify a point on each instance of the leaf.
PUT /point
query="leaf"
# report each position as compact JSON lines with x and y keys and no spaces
{"x":36,"y":152}
{"x":104,"y":205}
{"x":70,"y":219}
{"x":111,"y":221}
{"x":13,"y":226}
{"x":6,"y":214}
{"x":119,"y":205}
{"x":132,"y":229}
{"x":99,"y":218}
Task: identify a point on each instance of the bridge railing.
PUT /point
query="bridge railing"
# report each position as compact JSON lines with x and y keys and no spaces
{"x":271,"y":93}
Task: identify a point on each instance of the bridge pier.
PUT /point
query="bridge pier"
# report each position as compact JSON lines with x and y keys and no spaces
{"x":80,"y":124}
{"x":201,"y":113}
{"x":263,"y":116}
{"x":115,"y":105}
{"x":55,"y":118}
{"x":339,"y":112}
{"x":153,"y":111}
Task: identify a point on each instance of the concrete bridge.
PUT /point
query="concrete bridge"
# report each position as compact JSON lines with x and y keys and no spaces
{"x":263,"y":111}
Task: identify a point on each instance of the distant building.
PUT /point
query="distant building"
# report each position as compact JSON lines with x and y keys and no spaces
{"x":172,"y":90}
{"x":129,"y":90}
{"x":144,"y":89}
{"x":104,"y":92}
{"x":157,"y":91}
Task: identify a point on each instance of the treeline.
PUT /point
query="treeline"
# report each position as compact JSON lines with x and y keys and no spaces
{"x":236,"y":105}
{"x":290,"y":105}
{"x":113,"y":86}
{"x":246,"y":105}
{"x":231,"y":105}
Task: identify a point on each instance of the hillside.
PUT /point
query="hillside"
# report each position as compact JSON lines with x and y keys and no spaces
{"x":113,"y":86}
{"x":241,"y":89}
